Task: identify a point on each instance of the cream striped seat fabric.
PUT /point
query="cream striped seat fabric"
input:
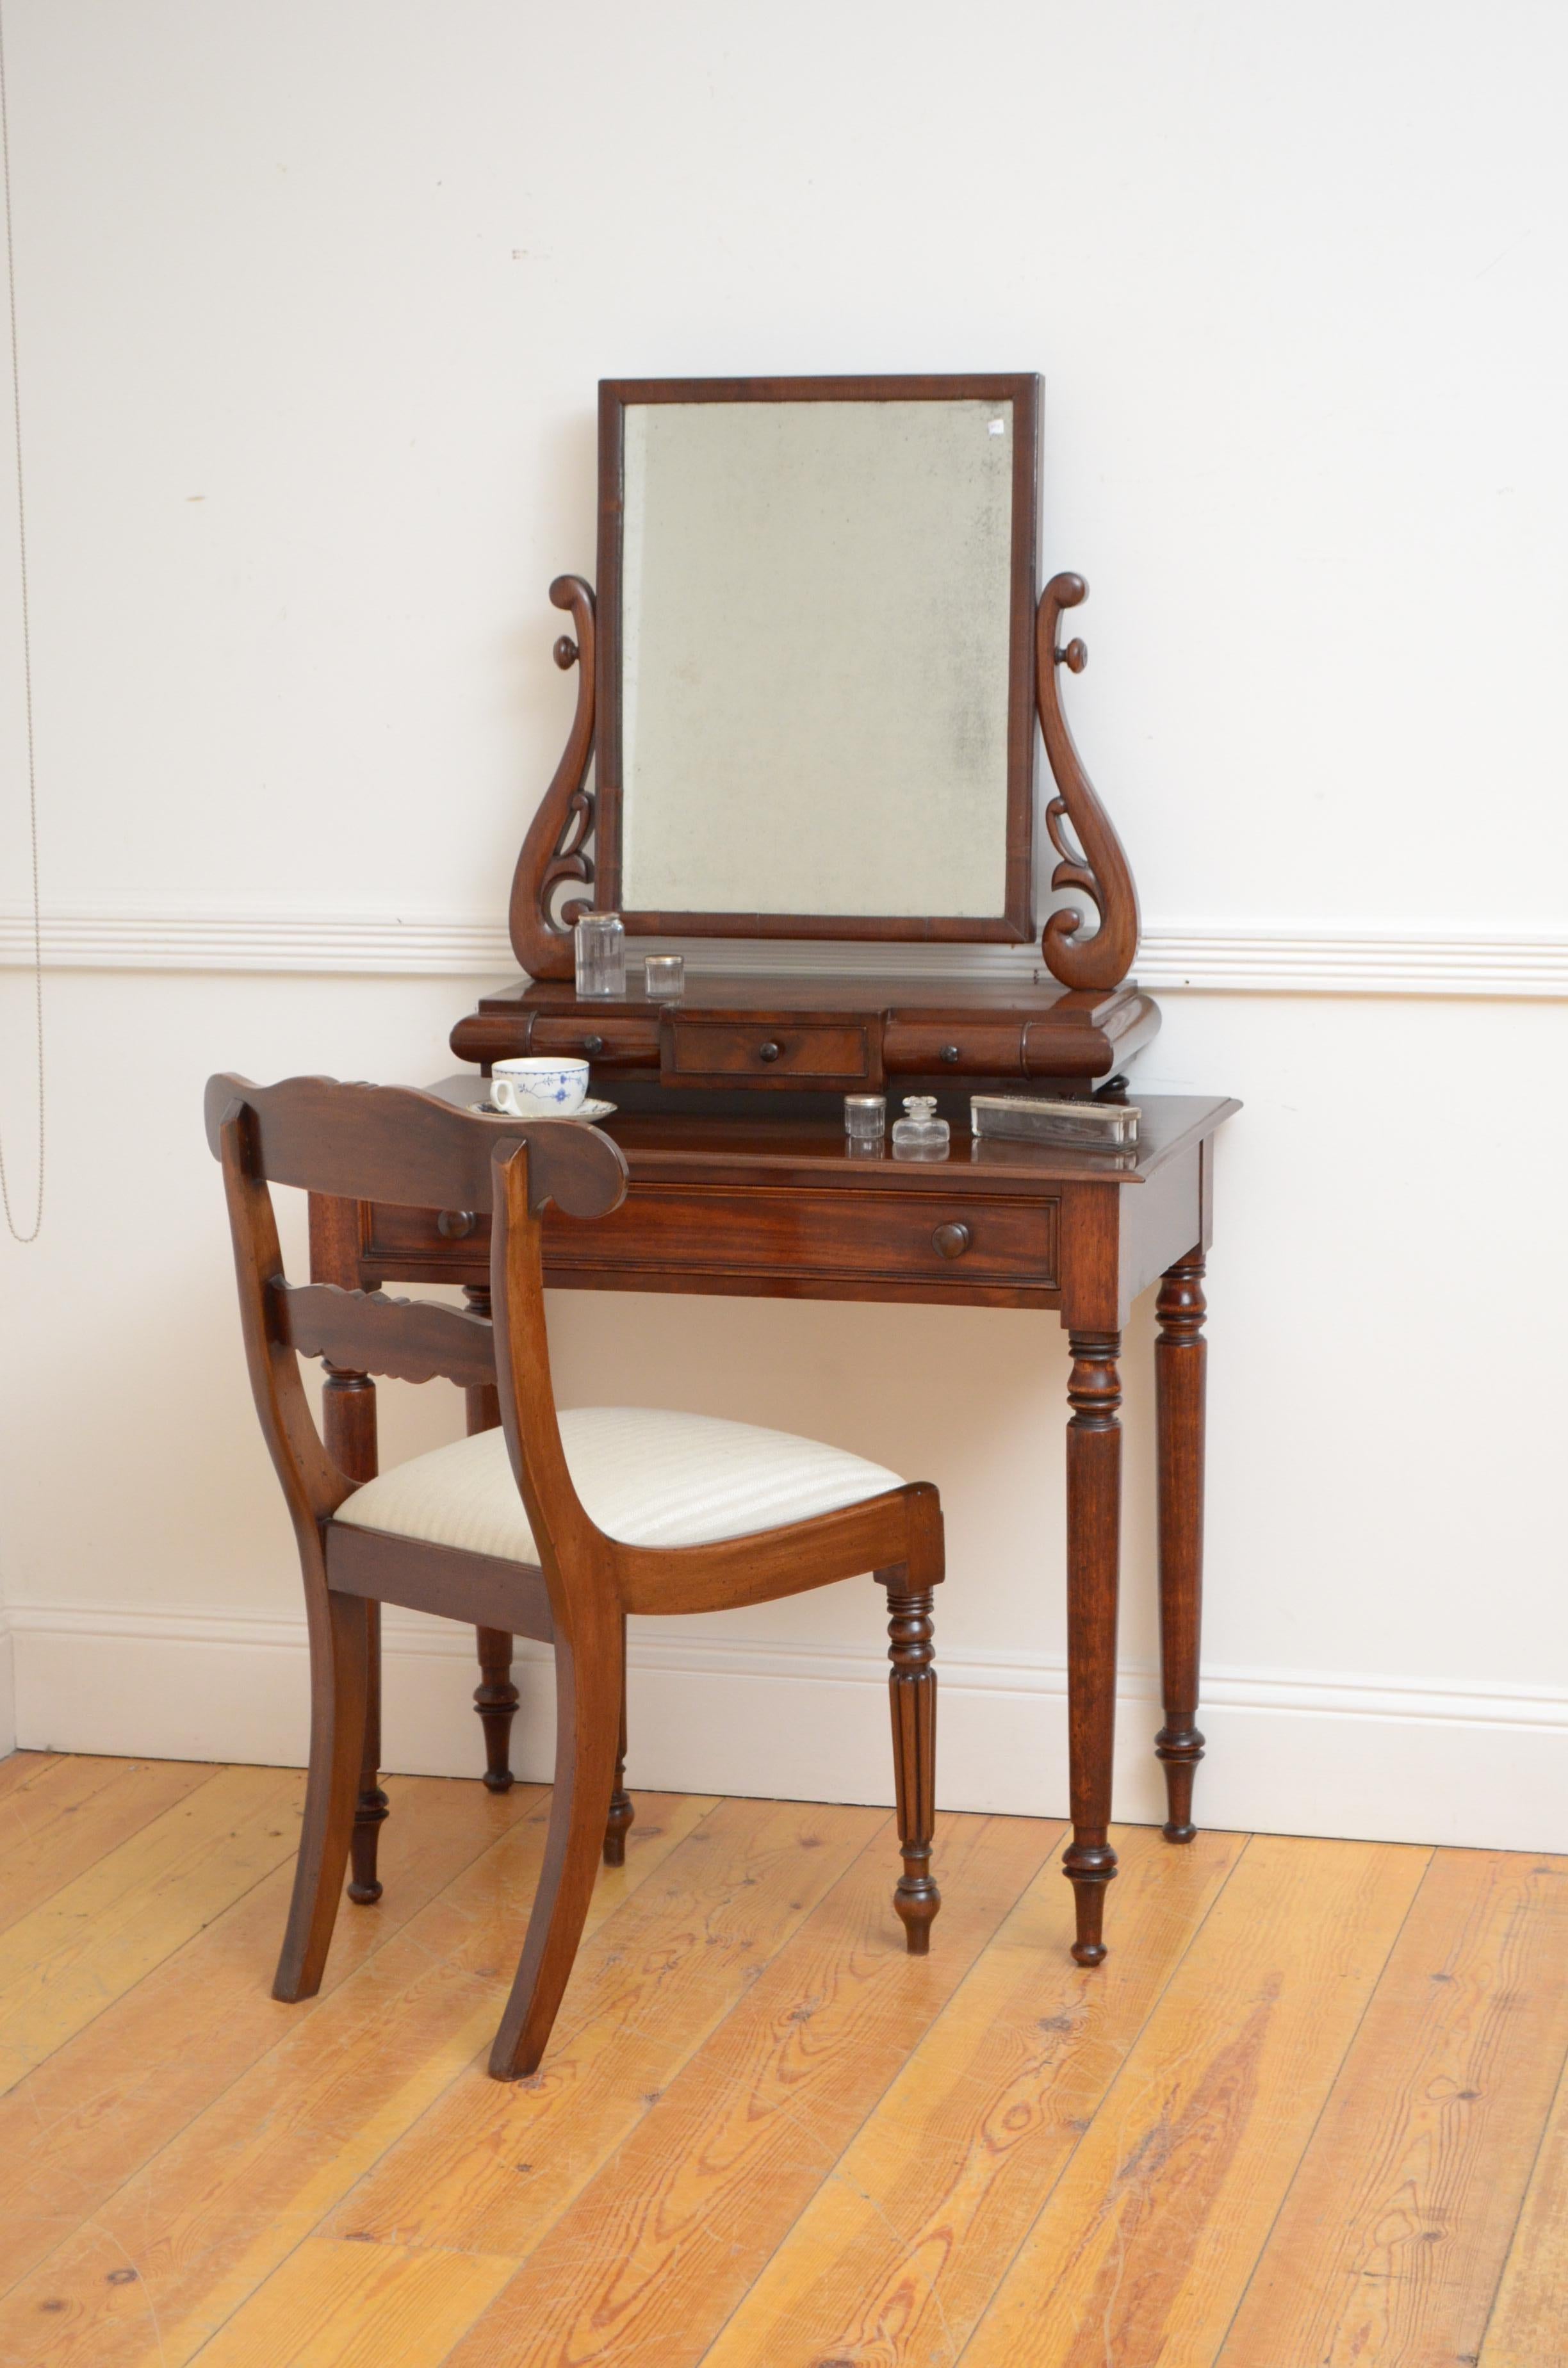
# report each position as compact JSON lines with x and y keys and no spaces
{"x":644,"y":1475}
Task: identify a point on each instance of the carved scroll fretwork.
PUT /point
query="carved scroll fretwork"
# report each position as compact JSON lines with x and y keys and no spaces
{"x":1097,"y":865}
{"x":553,"y":850}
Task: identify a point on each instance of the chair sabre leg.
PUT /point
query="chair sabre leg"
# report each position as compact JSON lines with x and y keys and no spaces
{"x":912,"y":1689}
{"x":339,"y":1667}
{"x":586,"y":1733}
{"x":622,"y":1816}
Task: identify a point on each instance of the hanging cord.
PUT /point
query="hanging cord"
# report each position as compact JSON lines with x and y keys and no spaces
{"x":27,"y":668}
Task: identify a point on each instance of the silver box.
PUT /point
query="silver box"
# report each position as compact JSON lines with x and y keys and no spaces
{"x":1030,"y":1118}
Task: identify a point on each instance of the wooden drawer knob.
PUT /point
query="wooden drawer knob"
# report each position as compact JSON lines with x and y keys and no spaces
{"x":455,"y":1224}
{"x":593,"y":1043}
{"x":769,"y":1051}
{"x":951,"y":1241}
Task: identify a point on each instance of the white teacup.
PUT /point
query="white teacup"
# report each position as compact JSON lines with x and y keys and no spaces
{"x":540,"y":1086}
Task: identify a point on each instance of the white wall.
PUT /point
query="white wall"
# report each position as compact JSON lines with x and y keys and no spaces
{"x":312,"y":300}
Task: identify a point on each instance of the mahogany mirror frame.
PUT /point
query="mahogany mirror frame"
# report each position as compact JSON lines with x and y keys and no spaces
{"x":1015,"y":923}
{"x":574,"y":840}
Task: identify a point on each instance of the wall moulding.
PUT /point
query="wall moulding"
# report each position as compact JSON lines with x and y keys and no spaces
{"x":1260,"y":958}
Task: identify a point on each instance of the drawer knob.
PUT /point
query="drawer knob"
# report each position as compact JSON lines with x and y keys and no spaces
{"x":593,"y":1043}
{"x":455,"y":1224}
{"x":951,"y":1241}
{"x":769,"y":1051}
{"x":949,"y":1051}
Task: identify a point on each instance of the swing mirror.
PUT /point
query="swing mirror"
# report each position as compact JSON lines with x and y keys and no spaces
{"x":815,"y":673}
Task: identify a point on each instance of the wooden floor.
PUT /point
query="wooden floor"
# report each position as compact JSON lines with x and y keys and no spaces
{"x":1309,"y":2114}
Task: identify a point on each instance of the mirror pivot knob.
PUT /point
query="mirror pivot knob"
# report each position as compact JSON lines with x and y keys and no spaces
{"x":951,"y":1241}
{"x":455,"y":1224}
{"x":769,"y":1051}
{"x":593,"y":1043}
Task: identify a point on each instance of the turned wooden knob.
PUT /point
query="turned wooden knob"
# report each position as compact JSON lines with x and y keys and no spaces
{"x":951,"y":1241}
{"x":455,"y":1224}
{"x":1074,"y":657}
{"x":949,"y":1053}
{"x":565,"y":652}
{"x":593,"y":1043}
{"x":769,"y":1051}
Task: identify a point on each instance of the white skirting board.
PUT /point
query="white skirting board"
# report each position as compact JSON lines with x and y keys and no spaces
{"x":1386,"y":1763}
{"x":7,"y":1688}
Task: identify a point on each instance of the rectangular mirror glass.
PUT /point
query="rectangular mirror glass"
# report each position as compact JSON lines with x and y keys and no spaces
{"x":816,"y":601}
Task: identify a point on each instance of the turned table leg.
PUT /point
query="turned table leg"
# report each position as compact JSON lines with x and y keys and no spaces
{"x":1093,"y":1548}
{"x":619,"y":1823}
{"x":494,"y":1697}
{"x":1180,"y":1355}
{"x":349,"y":1433}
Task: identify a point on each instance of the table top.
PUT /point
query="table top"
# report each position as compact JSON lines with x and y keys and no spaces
{"x":681,"y":1147}
{"x":740,"y":995}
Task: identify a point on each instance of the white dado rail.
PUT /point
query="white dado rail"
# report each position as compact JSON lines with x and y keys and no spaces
{"x":1264,"y":958}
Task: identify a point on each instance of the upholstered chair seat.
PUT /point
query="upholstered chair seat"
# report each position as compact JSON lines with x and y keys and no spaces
{"x":644,"y":1475}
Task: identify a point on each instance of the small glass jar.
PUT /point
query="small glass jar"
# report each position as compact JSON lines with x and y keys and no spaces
{"x":920,"y":1133}
{"x":600,"y":945}
{"x":865,"y":1117}
{"x":664,"y":977}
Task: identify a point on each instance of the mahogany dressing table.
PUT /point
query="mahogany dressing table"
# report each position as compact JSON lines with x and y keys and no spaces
{"x":729,"y":1102}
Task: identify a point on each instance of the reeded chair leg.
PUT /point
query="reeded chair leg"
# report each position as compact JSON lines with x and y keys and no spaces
{"x":912,"y":1689}
{"x":339,"y":1670}
{"x":587,"y":1713}
{"x":619,"y":1824}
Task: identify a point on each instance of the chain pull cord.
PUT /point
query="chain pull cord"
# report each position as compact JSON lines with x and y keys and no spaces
{"x":11,"y":1225}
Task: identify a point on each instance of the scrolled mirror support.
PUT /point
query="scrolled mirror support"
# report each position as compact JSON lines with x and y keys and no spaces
{"x":553,"y":850}
{"x":1097,"y":865}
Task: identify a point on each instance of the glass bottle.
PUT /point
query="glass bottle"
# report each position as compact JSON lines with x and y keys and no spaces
{"x":599,"y":942}
{"x":664,"y":975}
{"x":920,"y":1133}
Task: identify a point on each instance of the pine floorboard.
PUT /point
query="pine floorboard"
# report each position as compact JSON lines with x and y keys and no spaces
{"x":1312,"y":2112}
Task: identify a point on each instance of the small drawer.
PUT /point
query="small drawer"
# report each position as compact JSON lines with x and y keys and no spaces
{"x":609,"y":1044}
{"x":925,"y":1048}
{"x":774,"y":1233}
{"x":764,"y":1053}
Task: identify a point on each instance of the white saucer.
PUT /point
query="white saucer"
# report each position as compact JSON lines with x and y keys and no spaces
{"x":590,"y":1112}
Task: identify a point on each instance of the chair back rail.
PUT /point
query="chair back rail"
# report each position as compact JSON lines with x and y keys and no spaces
{"x":372,"y":1332}
{"x":362,"y":1142}
{"x":392,"y":1142}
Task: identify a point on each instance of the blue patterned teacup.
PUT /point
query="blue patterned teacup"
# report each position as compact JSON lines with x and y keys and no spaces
{"x":539,"y":1086}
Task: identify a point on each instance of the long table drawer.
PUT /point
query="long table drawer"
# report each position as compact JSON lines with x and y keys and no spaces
{"x":890,"y":1237}
{"x":437,"y":1238}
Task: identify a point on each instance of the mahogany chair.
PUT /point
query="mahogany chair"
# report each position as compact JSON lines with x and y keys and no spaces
{"x":553,"y":1527}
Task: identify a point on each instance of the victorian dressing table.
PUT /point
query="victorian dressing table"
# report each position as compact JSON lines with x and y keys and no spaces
{"x":771,"y":765}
